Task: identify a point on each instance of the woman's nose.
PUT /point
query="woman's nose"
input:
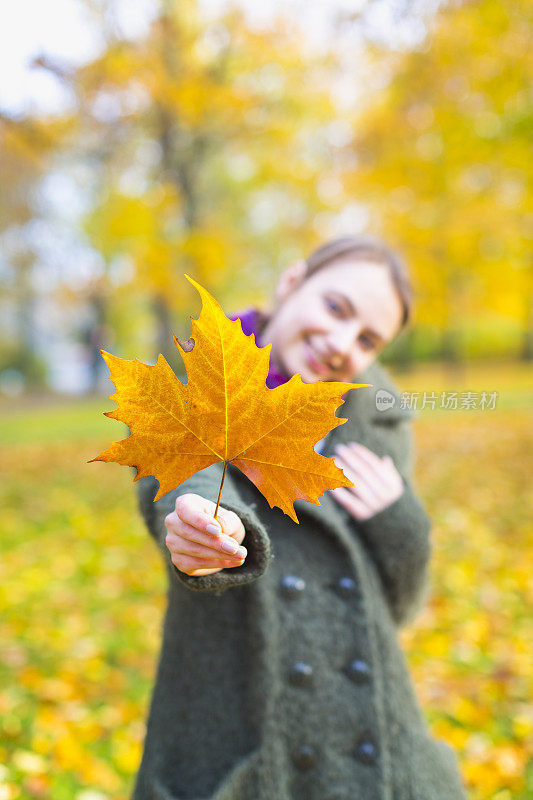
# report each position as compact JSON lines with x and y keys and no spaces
{"x":343,"y":345}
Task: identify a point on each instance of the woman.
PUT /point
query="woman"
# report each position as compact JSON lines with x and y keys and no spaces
{"x":280,"y":675}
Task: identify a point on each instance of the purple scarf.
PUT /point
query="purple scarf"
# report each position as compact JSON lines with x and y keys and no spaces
{"x":249,"y":322}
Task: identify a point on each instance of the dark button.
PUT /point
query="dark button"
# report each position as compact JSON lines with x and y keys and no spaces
{"x":292,"y":586}
{"x":366,"y":752}
{"x":304,"y":757}
{"x":358,"y":671}
{"x":300,"y":674}
{"x":346,"y":587}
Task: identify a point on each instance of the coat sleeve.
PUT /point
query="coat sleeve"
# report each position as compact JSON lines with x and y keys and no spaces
{"x":398,"y":537}
{"x":207,"y":483}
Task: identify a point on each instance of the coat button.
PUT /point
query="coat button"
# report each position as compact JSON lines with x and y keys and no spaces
{"x":292,"y":586}
{"x":300,"y":674}
{"x":366,"y":752}
{"x":358,"y":671}
{"x":346,"y":587}
{"x":304,"y":757}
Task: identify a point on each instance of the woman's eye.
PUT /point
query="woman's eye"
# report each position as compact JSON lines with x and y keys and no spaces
{"x":333,"y":306}
{"x":367,"y":342}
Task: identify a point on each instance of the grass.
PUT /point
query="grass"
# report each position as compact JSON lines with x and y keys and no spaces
{"x":61,"y":420}
{"x":82,"y":593}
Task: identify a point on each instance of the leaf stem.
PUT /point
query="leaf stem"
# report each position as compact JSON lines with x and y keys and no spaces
{"x":221,"y":485}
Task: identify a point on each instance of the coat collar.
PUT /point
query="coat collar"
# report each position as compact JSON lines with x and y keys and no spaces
{"x":378,"y":404}
{"x":361,"y":410}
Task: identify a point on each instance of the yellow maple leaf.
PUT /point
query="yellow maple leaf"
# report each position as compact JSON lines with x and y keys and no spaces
{"x":225,"y":413}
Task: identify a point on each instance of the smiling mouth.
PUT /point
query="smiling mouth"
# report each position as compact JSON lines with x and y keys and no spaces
{"x":317,"y":366}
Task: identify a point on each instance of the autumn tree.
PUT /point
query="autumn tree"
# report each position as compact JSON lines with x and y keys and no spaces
{"x":27,"y":146}
{"x":445,"y":163}
{"x":207,"y":141}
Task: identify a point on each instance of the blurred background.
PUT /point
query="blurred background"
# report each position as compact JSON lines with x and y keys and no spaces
{"x":146,"y":139}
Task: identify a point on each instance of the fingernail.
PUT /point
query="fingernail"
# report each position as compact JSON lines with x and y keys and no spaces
{"x":229,"y":545}
{"x":212,"y":528}
{"x":242,"y":552}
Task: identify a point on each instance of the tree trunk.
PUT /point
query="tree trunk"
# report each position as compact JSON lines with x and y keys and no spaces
{"x":527,"y":341}
{"x":164,"y":338}
{"x":182,"y":155}
{"x":450,"y":351}
{"x":95,"y":341}
{"x":26,"y":359}
{"x":404,"y":357}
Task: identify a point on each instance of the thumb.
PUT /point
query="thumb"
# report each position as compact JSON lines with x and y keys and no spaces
{"x":231,"y":524}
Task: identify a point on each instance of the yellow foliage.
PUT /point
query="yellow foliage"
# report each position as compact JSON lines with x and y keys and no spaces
{"x":477,"y":698}
{"x":445,"y":160}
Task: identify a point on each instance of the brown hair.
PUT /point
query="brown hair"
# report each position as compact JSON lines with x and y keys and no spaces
{"x":367,"y":248}
{"x":363,"y":247}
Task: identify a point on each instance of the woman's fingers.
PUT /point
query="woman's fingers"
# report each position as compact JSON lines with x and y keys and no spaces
{"x":192,"y":542}
{"x":189,"y":564}
{"x":194,"y":510}
{"x":366,"y":454}
{"x":377,"y":472}
{"x":377,"y":481}
{"x":367,"y":485}
{"x":361,"y":488}
{"x":193,"y":546}
{"x":189,"y":556}
{"x":199,"y":512}
{"x":210,"y":543}
{"x":357,"y":507}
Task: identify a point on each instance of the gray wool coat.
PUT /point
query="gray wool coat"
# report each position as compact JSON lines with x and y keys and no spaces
{"x":283,"y":679}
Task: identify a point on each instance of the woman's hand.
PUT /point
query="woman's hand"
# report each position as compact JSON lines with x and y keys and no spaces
{"x":197,"y":550}
{"x":377,"y":481}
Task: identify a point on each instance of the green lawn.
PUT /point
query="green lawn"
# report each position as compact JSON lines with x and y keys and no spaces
{"x":82,"y":593}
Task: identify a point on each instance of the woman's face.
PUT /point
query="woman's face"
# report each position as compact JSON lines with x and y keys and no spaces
{"x":331,"y":326}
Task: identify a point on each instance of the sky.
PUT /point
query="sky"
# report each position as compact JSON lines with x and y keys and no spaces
{"x":63,"y":29}
{"x":58,"y":28}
